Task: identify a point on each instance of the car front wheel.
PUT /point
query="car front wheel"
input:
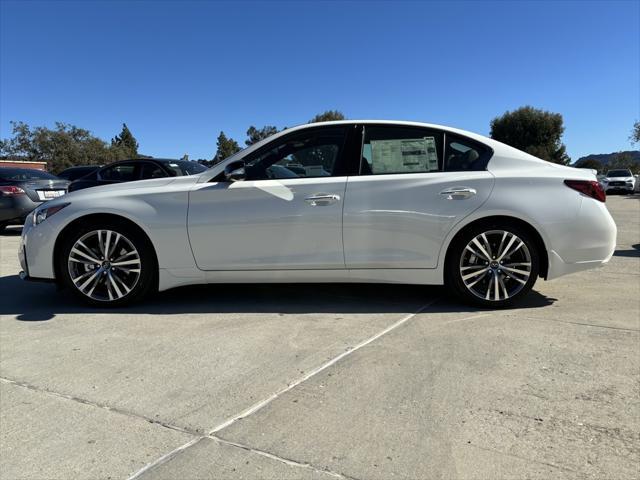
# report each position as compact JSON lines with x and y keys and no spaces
{"x":493,"y":265}
{"x":108,"y":265}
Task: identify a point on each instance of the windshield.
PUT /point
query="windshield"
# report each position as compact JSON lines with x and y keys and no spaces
{"x":25,"y":174}
{"x":185,"y":167}
{"x":619,"y":173}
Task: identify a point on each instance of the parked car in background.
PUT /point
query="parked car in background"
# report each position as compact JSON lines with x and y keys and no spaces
{"x":619,"y":180}
{"x":131,"y":170}
{"x":403,"y":202}
{"x":74,"y":173}
{"x":23,"y":189}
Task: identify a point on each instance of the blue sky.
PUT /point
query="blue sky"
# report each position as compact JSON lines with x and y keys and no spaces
{"x":179,"y":72}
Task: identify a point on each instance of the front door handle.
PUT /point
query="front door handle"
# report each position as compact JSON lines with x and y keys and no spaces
{"x":458,"y":193}
{"x":322,"y":199}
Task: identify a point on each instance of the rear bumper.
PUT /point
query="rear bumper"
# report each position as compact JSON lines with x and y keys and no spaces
{"x":558,"y":267}
{"x":589,"y":242}
{"x":16,"y":208}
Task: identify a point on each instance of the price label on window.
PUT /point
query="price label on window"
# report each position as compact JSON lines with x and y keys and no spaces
{"x":407,"y":155}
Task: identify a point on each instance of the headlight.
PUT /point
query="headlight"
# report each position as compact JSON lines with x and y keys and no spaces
{"x":41,"y":214}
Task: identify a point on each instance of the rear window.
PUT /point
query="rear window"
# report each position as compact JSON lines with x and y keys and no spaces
{"x":24,"y":174}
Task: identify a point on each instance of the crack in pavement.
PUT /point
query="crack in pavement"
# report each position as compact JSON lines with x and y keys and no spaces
{"x":266,"y":401}
{"x":287,"y":461}
{"x":97,"y":405}
{"x":583,"y":324}
{"x":163,"y":459}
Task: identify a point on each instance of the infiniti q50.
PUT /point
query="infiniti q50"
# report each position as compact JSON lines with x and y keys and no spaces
{"x":349,"y":201}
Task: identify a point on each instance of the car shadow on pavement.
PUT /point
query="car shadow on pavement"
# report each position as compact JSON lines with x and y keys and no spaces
{"x":30,"y":301}
{"x":634,"y":251}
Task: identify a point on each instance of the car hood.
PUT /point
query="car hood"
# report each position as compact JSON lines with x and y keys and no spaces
{"x":130,"y":188}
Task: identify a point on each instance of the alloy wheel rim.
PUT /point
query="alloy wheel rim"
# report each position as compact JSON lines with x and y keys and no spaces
{"x":104,"y":265}
{"x":495,"y":265}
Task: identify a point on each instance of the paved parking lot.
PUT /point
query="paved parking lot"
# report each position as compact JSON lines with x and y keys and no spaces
{"x":321,"y":382}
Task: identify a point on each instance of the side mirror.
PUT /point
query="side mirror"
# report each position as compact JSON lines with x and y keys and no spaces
{"x":235,"y":171}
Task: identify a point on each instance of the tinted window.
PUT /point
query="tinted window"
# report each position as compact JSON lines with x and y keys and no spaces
{"x":23,"y":174}
{"x":619,"y":173}
{"x":313,"y":153}
{"x":463,"y":154}
{"x":152,"y":170}
{"x":76,"y":172}
{"x":391,"y":149}
{"x":119,"y":173}
{"x":184,"y":167}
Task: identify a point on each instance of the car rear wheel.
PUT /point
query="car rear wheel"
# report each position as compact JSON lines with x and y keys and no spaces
{"x":108,"y":264}
{"x":493,"y":265}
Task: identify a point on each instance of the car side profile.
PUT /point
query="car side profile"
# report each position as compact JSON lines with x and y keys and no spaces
{"x":347,"y":201}
{"x":138,"y":169}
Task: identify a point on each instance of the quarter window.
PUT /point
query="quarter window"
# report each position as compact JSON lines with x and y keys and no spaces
{"x":463,"y":154}
{"x":309,"y":154}
{"x":388,"y":150}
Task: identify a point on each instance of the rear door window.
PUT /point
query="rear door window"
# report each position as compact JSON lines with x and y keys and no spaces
{"x":397,"y":149}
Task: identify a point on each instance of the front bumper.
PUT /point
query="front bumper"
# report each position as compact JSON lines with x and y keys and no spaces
{"x":619,"y":188}
{"x":35,"y":251}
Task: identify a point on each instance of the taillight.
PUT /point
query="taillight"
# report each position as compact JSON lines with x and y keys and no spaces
{"x":590,"y":188}
{"x":10,"y":191}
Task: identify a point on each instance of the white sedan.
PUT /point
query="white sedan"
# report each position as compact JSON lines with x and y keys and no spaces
{"x":350,"y":201}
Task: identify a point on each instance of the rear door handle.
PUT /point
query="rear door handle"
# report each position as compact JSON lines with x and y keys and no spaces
{"x":322,"y":199}
{"x":458,"y":193}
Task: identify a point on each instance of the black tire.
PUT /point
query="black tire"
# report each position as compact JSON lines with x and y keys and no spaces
{"x":458,"y":255}
{"x":146,"y":282}
{"x":2,"y":227}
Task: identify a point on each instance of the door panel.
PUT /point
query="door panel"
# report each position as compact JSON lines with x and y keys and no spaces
{"x":289,"y":223}
{"x":401,"y":220}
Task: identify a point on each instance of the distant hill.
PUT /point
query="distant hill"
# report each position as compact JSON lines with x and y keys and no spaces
{"x":606,"y":158}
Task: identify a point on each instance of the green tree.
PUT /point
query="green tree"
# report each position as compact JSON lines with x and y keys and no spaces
{"x":534,"y":131}
{"x":226,"y":148}
{"x":254,"y":135}
{"x":635,"y":133}
{"x":327,"y":116}
{"x":591,"y":163}
{"x":126,"y":143}
{"x":624,"y":160}
{"x":61,"y":147}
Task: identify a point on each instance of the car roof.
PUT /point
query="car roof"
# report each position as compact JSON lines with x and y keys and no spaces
{"x":499,"y":148}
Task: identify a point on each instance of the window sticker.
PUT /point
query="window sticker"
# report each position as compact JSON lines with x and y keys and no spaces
{"x":405,"y":155}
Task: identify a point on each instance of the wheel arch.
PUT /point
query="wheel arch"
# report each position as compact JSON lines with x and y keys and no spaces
{"x":97,"y":218}
{"x":502,"y":220}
